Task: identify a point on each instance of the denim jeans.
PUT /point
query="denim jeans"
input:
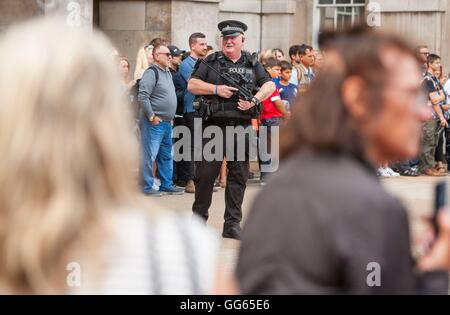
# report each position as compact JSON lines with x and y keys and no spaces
{"x":269,"y":123}
{"x":156,"y":145}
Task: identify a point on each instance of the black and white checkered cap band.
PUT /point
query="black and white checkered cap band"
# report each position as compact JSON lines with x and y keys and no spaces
{"x":232,"y":29}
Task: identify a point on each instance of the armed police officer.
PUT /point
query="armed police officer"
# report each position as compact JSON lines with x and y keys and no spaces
{"x":229,"y":86}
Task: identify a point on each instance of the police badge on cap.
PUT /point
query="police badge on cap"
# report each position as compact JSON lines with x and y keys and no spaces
{"x":232,"y":28}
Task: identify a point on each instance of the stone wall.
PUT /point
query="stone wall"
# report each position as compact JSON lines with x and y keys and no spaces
{"x":131,"y":24}
{"x":272,"y":23}
{"x":13,"y":11}
{"x":422,"y":22}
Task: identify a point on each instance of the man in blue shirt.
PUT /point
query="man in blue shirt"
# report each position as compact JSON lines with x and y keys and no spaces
{"x":198,"y":46}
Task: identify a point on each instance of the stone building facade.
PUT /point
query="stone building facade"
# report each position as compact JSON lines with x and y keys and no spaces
{"x":272,"y":23}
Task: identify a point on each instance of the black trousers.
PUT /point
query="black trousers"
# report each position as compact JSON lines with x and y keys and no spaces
{"x":206,"y":173}
{"x":440,"y":153}
{"x":185,"y":169}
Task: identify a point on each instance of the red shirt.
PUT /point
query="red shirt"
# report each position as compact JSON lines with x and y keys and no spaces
{"x":269,"y":109}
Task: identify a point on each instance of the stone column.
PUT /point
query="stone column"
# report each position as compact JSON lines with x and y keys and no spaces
{"x":13,"y":11}
{"x":248,"y":12}
{"x":194,"y":16}
{"x":278,"y":24}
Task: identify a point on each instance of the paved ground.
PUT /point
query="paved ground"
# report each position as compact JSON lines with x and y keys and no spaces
{"x":415,"y":192}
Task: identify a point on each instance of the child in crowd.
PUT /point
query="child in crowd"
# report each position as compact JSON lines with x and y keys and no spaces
{"x":273,"y":112}
{"x":288,"y":91}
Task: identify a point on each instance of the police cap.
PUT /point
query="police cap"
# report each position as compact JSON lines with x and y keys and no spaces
{"x":232,"y":28}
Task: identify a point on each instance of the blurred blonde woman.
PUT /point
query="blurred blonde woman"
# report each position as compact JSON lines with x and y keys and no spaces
{"x":70,"y":218}
{"x":144,"y":59}
{"x":264,"y":55}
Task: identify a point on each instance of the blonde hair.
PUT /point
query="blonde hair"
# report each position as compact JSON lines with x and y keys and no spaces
{"x":142,"y":61}
{"x":66,"y":147}
{"x":264,"y":55}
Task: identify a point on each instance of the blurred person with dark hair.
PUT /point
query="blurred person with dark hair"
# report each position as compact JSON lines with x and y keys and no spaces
{"x":422,"y":53}
{"x":431,"y":156}
{"x":278,"y":54}
{"x":68,"y":194}
{"x":305,"y":66}
{"x":294,"y":54}
{"x":334,"y":220}
{"x":318,"y":61}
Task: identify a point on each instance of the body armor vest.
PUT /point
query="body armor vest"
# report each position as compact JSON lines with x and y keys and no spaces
{"x":244,"y":73}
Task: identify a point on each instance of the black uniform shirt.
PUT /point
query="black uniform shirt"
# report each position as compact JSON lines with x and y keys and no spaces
{"x":207,"y":75}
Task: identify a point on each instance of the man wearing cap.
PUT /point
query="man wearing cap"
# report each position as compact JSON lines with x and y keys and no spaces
{"x":180,"y":88}
{"x":227,"y":110}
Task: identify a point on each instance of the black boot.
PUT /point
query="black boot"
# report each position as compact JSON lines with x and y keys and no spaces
{"x":232,"y":231}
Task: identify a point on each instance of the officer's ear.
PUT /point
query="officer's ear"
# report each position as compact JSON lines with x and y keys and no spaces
{"x":243,"y":39}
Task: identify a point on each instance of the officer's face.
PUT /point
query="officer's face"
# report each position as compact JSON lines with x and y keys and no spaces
{"x":232,"y":44}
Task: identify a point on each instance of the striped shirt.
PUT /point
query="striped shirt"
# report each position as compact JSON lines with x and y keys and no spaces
{"x":171,"y":255}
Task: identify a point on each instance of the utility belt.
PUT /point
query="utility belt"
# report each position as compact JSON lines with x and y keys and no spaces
{"x":207,"y":108}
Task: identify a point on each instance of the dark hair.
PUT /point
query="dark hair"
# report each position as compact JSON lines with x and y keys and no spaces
{"x":278,"y":50}
{"x":294,"y":50}
{"x":271,"y":62}
{"x":158,"y":41}
{"x":209,"y":48}
{"x":432,"y":58}
{"x":321,"y":120}
{"x":304,"y":48}
{"x":193,"y":38}
{"x":185,"y":55}
{"x":285,"y":65}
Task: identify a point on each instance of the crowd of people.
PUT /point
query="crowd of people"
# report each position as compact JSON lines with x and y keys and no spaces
{"x":291,"y":76}
{"x":434,"y":156}
{"x":70,"y":196}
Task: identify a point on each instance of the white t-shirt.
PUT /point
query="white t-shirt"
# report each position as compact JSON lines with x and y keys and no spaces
{"x":447,"y":90}
{"x":173,"y":254}
{"x":294,"y":76}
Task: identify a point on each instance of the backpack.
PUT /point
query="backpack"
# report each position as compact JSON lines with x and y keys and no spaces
{"x":135,"y":91}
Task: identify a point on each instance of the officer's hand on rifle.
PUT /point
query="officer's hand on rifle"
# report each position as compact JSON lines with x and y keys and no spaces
{"x":245,"y":105}
{"x":226,"y":91}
